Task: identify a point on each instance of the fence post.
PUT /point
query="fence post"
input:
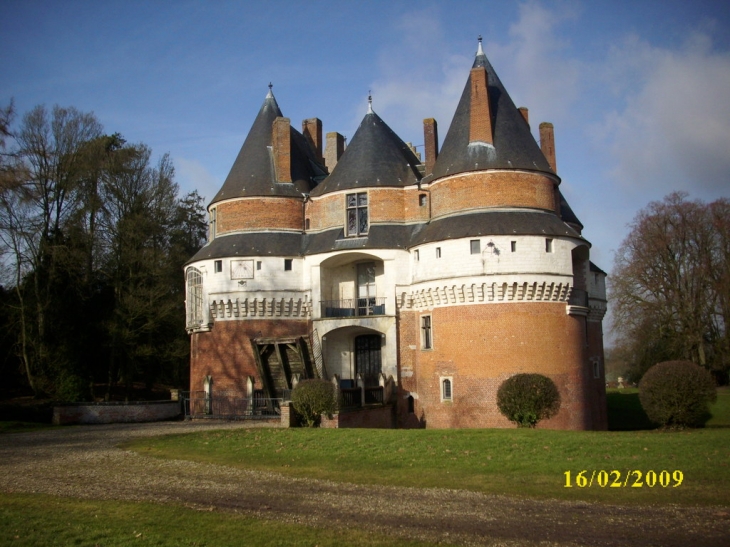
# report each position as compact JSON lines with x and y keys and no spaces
{"x":208,"y":388}
{"x":361,"y":385}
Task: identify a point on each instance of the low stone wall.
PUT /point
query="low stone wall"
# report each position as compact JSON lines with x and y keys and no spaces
{"x":377,"y":417}
{"x":110,"y":413}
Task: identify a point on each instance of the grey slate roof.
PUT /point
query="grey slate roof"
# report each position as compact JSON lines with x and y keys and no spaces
{"x":375,"y":157}
{"x":514,"y":145}
{"x":566,"y":213}
{"x":253,"y":173}
{"x":493,"y":223}
{"x":251,"y":244}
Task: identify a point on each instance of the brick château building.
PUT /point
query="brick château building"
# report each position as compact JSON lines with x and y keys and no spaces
{"x":434,"y":280}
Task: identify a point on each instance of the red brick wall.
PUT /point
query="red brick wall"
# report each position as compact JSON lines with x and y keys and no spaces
{"x":226,"y":354}
{"x":385,"y":205}
{"x":382,"y":417}
{"x":480,"y":346}
{"x":480,"y":123}
{"x":492,"y":189}
{"x":259,"y":213}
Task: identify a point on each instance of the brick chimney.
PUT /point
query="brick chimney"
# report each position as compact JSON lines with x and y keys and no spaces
{"x":480,"y":123}
{"x":334,"y":149}
{"x":431,"y":140}
{"x":312,"y":131}
{"x":525,"y":114}
{"x":547,"y":144}
{"x":281,"y":145}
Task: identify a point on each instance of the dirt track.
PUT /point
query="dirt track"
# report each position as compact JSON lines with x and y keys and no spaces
{"x":85,"y":462}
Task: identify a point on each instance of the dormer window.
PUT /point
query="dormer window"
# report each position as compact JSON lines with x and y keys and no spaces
{"x":357,"y":214}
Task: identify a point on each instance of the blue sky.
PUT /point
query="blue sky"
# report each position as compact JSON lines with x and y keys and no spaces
{"x":638,"y":91}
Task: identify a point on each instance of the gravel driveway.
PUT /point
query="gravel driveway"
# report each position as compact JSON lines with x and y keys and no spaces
{"x":85,"y":462}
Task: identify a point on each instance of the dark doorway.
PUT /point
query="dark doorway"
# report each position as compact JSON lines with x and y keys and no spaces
{"x":367,"y":358}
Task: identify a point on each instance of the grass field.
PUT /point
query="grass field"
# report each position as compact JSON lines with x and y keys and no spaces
{"x":38,"y":520}
{"x":527,"y":463}
{"x":531,"y":463}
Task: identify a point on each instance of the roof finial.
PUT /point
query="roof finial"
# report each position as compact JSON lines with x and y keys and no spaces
{"x":480,"y":51}
{"x":270,"y":95}
{"x":370,"y":102}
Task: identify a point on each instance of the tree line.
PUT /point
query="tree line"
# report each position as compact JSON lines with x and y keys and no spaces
{"x":93,"y":236}
{"x":670,"y":286}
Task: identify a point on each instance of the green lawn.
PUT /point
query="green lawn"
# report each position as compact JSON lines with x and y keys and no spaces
{"x":39,"y":520}
{"x":626,"y":414}
{"x":517,"y":462}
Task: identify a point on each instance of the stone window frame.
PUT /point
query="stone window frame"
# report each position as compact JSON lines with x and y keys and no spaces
{"x":549,"y":245}
{"x":475,"y":246}
{"x":438,"y":252}
{"x":360,"y":208}
{"x":446,"y":388}
{"x":426,"y":330}
{"x":194,"y":297}
{"x":288,"y":264}
{"x":218,"y":266}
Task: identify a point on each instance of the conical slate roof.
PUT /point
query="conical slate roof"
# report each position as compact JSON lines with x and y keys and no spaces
{"x":514,"y":146}
{"x":253,"y":172}
{"x":376,"y":156}
{"x":567,"y":214}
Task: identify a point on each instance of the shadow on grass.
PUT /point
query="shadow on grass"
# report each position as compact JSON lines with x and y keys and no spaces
{"x":625,"y":412}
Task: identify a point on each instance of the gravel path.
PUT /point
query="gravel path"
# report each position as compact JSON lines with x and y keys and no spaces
{"x":85,"y":462}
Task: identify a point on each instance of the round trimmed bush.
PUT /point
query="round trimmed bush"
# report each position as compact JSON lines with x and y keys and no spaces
{"x":312,"y":398}
{"x":525,"y":399}
{"x":677,"y":394}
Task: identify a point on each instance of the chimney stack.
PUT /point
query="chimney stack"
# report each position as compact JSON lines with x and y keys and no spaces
{"x":312,"y":131}
{"x":431,"y":140}
{"x":547,"y":144}
{"x":525,"y":114}
{"x":480,"y":124}
{"x":334,"y":149}
{"x":281,"y":144}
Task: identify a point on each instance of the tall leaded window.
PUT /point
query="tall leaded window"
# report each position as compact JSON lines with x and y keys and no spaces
{"x":357,"y":214}
{"x":426,"y":332}
{"x":194,"y":302}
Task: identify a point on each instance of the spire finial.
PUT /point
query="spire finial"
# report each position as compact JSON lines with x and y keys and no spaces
{"x":370,"y":102}
{"x":480,"y":51}
{"x":270,"y":94}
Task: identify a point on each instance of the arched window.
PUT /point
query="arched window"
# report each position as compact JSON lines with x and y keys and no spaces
{"x":194,"y":302}
{"x":446,"y":394}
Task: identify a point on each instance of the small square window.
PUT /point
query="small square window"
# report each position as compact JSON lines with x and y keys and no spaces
{"x":258,"y":264}
{"x":513,"y":246}
{"x":476,"y":247}
{"x":416,"y":255}
{"x":447,"y":393}
{"x":548,"y":245}
{"x":422,"y":200}
{"x":438,"y":252}
{"x":218,"y":266}
{"x":288,"y":264}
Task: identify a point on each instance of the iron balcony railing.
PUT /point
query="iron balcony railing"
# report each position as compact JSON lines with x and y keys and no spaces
{"x":353,"y":307}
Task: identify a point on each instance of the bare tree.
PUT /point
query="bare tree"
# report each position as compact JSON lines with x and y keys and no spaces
{"x":667,"y":284}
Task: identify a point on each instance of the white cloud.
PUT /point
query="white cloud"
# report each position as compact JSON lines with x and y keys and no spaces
{"x":673,"y":128}
{"x":534,"y":67}
{"x":415,"y":84}
{"x":192,"y":175}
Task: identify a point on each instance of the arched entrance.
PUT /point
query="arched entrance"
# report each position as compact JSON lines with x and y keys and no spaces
{"x":368,"y":361}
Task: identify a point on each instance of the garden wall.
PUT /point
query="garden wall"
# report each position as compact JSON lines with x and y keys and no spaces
{"x":113,"y":412}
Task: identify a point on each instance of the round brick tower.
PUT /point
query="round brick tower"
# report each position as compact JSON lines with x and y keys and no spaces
{"x":499,"y":279}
